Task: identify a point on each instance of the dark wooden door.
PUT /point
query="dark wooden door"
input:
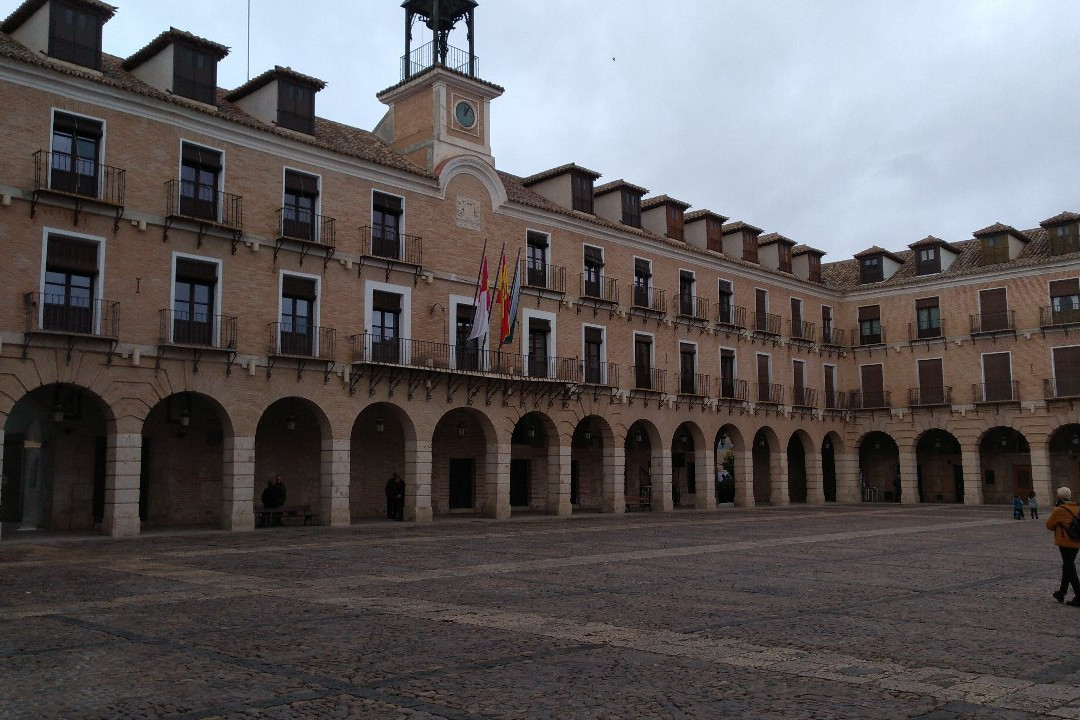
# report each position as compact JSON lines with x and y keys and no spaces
{"x":993,"y":305}
{"x":997,"y":376}
{"x":763,"y":378}
{"x":462,"y":477}
{"x":930,"y":381}
{"x":519,"y":483}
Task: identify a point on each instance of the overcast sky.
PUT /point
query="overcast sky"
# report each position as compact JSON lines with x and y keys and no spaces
{"x":839,"y":124}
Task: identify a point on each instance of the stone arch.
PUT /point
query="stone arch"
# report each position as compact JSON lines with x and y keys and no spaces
{"x":379,"y":443}
{"x":536,"y":466}
{"x":939,"y":467}
{"x":1063,"y":446}
{"x":644,"y":469}
{"x":476,"y":168}
{"x":1004,"y":465}
{"x":293,"y":440}
{"x":465,"y":459}
{"x":800,"y":458}
{"x":879,"y":467}
{"x":592,"y":460}
{"x":769,"y":473}
{"x":691,"y":462}
{"x":729,"y":451}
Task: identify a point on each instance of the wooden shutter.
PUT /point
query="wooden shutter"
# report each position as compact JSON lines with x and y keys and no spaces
{"x":796,"y":317}
{"x":301,"y":183}
{"x":298,"y":287}
{"x":873,"y":385}
{"x":993,"y":305}
{"x":1067,"y":371}
{"x":387,"y":204}
{"x":997,"y":376}
{"x":386,"y":302}
{"x":763,"y":369}
{"x":593,"y":336}
{"x":593,"y":255}
{"x":1060,"y":288}
{"x":931,"y":382}
{"x":196,"y":270}
{"x":761,"y":301}
{"x":74,"y":256}
{"x":924,"y":303}
{"x":830,"y":386}
{"x":798,"y":380}
{"x":869,"y":312}
{"x":201,"y":157}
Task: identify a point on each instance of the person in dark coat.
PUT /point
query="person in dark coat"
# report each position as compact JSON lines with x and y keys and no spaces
{"x":273,"y":497}
{"x":394,"y":494}
{"x":399,"y":497}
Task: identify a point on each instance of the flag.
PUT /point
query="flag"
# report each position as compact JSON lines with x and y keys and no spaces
{"x":515,"y":296}
{"x":481,"y":303}
{"x":502,"y":298}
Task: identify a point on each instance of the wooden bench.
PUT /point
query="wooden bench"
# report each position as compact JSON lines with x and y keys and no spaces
{"x":637,"y":502}
{"x":265,"y":517}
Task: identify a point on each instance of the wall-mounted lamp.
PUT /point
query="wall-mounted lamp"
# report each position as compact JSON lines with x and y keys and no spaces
{"x":587,"y":434}
{"x":761,"y":442}
{"x":290,"y":422}
{"x":637,"y":436}
{"x":684,"y":440}
{"x":58,"y":413}
{"x":530,"y":432}
{"x":185,"y":417}
{"x":877,"y":444}
{"x":827,"y":445}
{"x":461,"y":429}
{"x":1076,"y":439}
{"x":937,"y":444}
{"x":380,"y":424}
{"x":1004,"y":442}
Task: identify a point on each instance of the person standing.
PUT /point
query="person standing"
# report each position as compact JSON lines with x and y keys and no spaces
{"x":1060,"y":519}
{"x":1033,"y":505}
{"x":399,"y":497}
{"x":391,"y":497}
{"x":1018,"y":508}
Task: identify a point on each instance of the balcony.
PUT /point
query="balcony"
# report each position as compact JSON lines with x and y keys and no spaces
{"x":802,"y":332}
{"x":696,"y":384}
{"x":599,"y":290}
{"x":834,"y":401}
{"x":693,"y":308}
{"x":1061,"y":317}
{"x":72,"y":318}
{"x":803,"y":397}
{"x":767,"y":323}
{"x":870,"y":399}
{"x":996,"y":392}
{"x":832,"y":337}
{"x":386,"y":243}
{"x":993,"y":323}
{"x":869,"y":339}
{"x":1063,"y":388}
{"x":731,"y":317}
{"x":549,"y":367}
{"x":294,"y":340}
{"x":80,"y":181}
{"x":204,"y":206}
{"x":648,"y":300}
{"x":307,"y":228}
{"x":917,"y":333}
{"x":423,"y":57}
{"x":648,"y":379}
{"x":769,"y":393}
{"x":599,"y":373}
{"x":929,"y":396}
{"x":198,"y":332}
{"x":732,"y":390}
{"x":543,"y":277}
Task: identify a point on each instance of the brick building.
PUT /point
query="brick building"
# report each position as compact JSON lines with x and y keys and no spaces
{"x":205,"y":288}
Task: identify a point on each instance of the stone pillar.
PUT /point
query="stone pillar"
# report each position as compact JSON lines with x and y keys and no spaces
{"x":704,"y":479}
{"x":744,"y":478}
{"x":418,"y":481}
{"x":497,"y":482}
{"x":778,"y":479}
{"x":815,"y":479}
{"x":660,"y":474}
{"x":558,"y":480}
{"x":123,"y":466}
{"x":847,"y":477}
{"x":3,"y":471}
{"x":613,"y":480}
{"x":238,"y":484}
{"x":973,"y":494}
{"x":334,"y":482}
{"x":1041,"y":481}
{"x":909,"y":475}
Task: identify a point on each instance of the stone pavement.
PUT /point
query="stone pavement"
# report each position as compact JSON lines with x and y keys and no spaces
{"x":839,"y":612}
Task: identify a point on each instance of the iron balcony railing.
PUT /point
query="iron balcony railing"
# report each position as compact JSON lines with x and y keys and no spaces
{"x":1056,"y":388}
{"x":992,"y":392}
{"x":770,"y":393}
{"x":648,"y":378}
{"x":804,"y":331}
{"x":425,"y":56}
{"x":693,"y":384}
{"x":803,"y":397}
{"x":178,"y":327}
{"x":992,"y":322}
{"x":54,"y":313}
{"x":870,"y":338}
{"x":929,"y":396}
{"x":768,"y":323}
{"x":301,"y":340}
{"x":1053,"y":317}
{"x":1059,"y":245}
{"x":916,"y":331}
{"x":732,"y":389}
{"x":198,"y":201}
{"x":545,"y":277}
{"x":870,"y":399}
{"x":694,"y":307}
{"x":731,"y":316}
{"x":307,"y":226}
{"x":603,"y":289}
{"x":649,"y":298}
{"x":600,"y":373}
{"x":833,"y":337}
{"x":835,"y":400}
{"x":67,"y":173}
{"x":549,"y":367}
{"x":386,"y":242}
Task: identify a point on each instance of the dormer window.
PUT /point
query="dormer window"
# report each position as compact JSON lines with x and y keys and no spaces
{"x":75,"y":33}
{"x":631,"y":208}
{"x":296,"y":106}
{"x":927,"y":261}
{"x":194,"y":73}
{"x":870,"y":270}
{"x":815,"y":267}
{"x":582,"y":191}
{"x":784,"y":255}
{"x":1064,"y":239}
{"x":995,"y":249}
{"x":675,"y":222}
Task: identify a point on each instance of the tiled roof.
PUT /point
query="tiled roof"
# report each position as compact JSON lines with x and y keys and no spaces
{"x":875,"y":250}
{"x":1062,"y":217}
{"x":701,"y":214}
{"x":931,"y":241}
{"x":557,"y":171}
{"x":433,"y":68}
{"x":270,"y":75}
{"x":806,"y":249}
{"x":22,"y":13}
{"x":618,"y":185}
{"x":167,"y":38}
{"x":658,"y":200}
{"x":329,"y":135}
{"x":997,"y":229}
{"x":740,"y":225}
{"x":772,"y":238}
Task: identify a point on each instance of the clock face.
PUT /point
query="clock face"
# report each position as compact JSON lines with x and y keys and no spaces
{"x":465,"y":114}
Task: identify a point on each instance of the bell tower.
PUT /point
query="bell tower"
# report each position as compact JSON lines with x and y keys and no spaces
{"x":440,"y":106}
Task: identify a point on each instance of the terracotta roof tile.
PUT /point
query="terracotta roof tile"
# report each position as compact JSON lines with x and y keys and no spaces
{"x":1062,"y":217}
{"x":772,"y":238}
{"x":658,"y":200}
{"x":441,"y":68}
{"x":875,"y":250}
{"x":740,"y":225}
{"x":557,"y":171}
{"x":167,"y":38}
{"x":269,"y":76}
{"x":931,"y":241}
{"x":806,"y":249}
{"x":22,"y":13}
{"x":997,"y":229}
{"x":618,"y":185}
{"x":701,"y":214}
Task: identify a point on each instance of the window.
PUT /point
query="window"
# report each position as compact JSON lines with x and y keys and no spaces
{"x":764,"y":379}
{"x":873,"y":386}
{"x":815,"y":267}
{"x":536,"y":248}
{"x":643,"y":362}
{"x":675,"y":222}
{"x":831,"y":400}
{"x":385,"y":327}
{"x":539,"y":335}
{"x":200,"y":172}
{"x":593,"y":273}
{"x":686,"y":293}
{"x":631,"y":208}
{"x":761,"y":310}
{"x":75,"y":34}
{"x":194,"y":73}
{"x":466,"y":351}
{"x":1065,"y":301}
{"x":1064,"y":239}
{"x":928,"y":318}
{"x":1066,"y":378}
{"x":725,"y":314}
{"x":298,"y":295}
{"x":582,"y":191}
{"x":642,"y":282}
{"x":799,"y":396}
{"x":76,"y":143}
{"x":997,"y":377}
{"x":870,"y":269}
{"x":994,"y":310}
{"x":71,"y":270}
{"x":784,"y":257}
{"x":870,"y":325}
{"x":749,"y":248}
{"x":714,"y":237}
{"x":298,"y":212}
{"x":193,"y":302}
{"x":727,"y":373}
{"x":827,"y":325}
{"x":386,"y":214}
{"x":931,"y":382}
{"x":995,"y":249}
{"x":594,"y":354}
{"x":688,"y":369}
{"x":796,"y":320}
{"x":296,"y":106}
{"x":927,"y":261}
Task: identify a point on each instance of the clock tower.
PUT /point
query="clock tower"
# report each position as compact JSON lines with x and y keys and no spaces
{"x":440,"y":107}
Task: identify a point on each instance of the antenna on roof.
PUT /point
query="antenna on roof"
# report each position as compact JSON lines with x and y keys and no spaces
{"x":249,"y":39}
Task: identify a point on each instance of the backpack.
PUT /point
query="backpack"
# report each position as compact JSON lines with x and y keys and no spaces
{"x":1073,"y":528}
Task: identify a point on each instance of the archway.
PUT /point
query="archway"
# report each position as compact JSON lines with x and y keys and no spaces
{"x":638,"y":479}
{"x":289,"y":441}
{"x":54,"y":459}
{"x":376,"y":452}
{"x":687,"y":467}
{"x":879,"y":467}
{"x":1004,"y":464}
{"x":940,"y":468}
{"x":533,"y":470}
{"x":461,"y":480}
{"x":587,"y":445}
{"x":1065,"y":458}
{"x":797,"y":448}
{"x":183,"y":462}
{"x":765,"y":444}
{"x":829,"y":447}
{"x":728,"y":447}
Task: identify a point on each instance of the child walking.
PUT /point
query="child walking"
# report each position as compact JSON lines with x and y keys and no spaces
{"x":1018,"y":508}
{"x":1033,"y":505}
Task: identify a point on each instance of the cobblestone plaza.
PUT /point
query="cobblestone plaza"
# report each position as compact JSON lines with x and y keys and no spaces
{"x":840,"y":611}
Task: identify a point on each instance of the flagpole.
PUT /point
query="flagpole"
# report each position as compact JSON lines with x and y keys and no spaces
{"x":517,"y":268}
{"x":491,"y":296}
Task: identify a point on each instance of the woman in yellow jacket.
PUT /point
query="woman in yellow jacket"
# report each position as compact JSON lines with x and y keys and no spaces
{"x":1063,"y":514}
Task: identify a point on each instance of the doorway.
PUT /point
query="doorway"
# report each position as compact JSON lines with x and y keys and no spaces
{"x":462,"y":478}
{"x":519,"y":482}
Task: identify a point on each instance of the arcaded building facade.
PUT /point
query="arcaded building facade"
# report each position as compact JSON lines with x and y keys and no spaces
{"x":202,"y":289}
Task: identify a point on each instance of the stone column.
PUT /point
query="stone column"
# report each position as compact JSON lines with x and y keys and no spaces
{"x":778,"y":479}
{"x":744,"y":478}
{"x":497,"y":482}
{"x":238,"y":484}
{"x":1041,"y":481}
{"x":973,"y":494}
{"x":705,"y":479}
{"x":558,"y":480}
{"x":334,"y":482}
{"x":613,"y":480}
{"x":815,"y":478}
{"x":660,"y":473}
{"x":418,"y":481}
{"x":847,"y":477}
{"x":123,"y":465}
{"x":3,"y":471}
{"x":909,"y":476}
